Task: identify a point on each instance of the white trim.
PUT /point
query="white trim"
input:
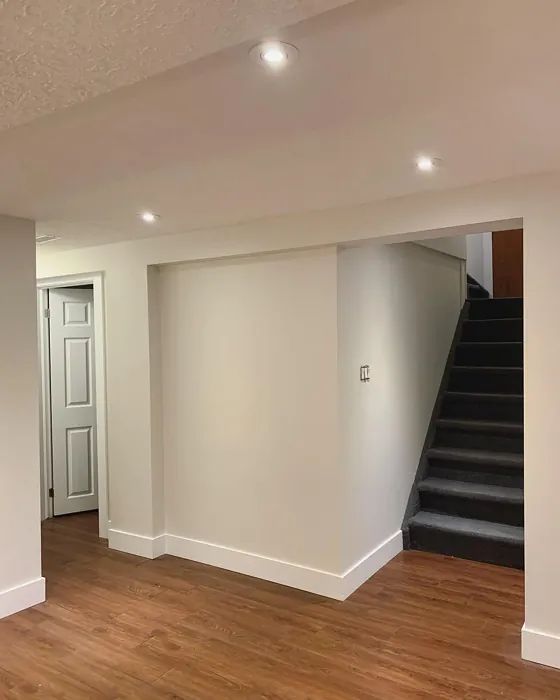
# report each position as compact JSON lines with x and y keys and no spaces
{"x":45,"y":404}
{"x":140,"y":545}
{"x":97,"y":279}
{"x":325,"y":583}
{"x":276,"y":570}
{"x":369,"y":565}
{"x":20,"y":597}
{"x":540,"y":647}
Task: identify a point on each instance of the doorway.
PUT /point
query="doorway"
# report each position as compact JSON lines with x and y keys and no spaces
{"x":467,"y":500}
{"x":73,"y":438}
{"x":73,"y":403}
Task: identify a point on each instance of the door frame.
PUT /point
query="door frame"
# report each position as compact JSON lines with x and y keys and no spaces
{"x":43,"y":285}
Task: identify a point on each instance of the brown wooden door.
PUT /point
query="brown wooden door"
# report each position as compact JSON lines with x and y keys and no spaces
{"x":507,"y":263}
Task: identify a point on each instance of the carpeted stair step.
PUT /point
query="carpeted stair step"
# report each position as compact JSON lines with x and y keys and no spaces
{"x":496,"y":308}
{"x":481,"y":540}
{"x":489,"y":329}
{"x":499,"y":380}
{"x":482,"y":466}
{"x":477,"y":434}
{"x":489,"y":354}
{"x":475,"y":291}
{"x":506,"y":407}
{"x":472,"y":500}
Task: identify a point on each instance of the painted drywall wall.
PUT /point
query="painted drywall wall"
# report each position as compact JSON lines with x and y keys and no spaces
{"x":156,"y":401}
{"x":250,"y":405}
{"x":398,"y":310}
{"x":530,"y":202}
{"x":450,"y":245}
{"x":479,"y":259}
{"x":21,"y":584}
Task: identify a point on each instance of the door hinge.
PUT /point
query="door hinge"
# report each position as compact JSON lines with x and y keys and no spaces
{"x":51,"y":492}
{"x":47,"y":313}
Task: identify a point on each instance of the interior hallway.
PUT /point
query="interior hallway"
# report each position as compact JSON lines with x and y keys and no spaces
{"x":117,"y":626}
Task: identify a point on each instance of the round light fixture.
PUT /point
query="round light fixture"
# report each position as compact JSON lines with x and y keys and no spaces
{"x":427,"y":164}
{"x":274,"y":54}
{"x":149,"y":217}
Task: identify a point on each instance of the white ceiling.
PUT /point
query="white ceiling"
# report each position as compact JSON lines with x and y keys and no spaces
{"x":220,"y":140}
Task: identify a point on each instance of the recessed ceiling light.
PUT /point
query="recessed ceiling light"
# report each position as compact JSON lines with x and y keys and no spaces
{"x":427,"y":164}
{"x":274,"y":54}
{"x":149,"y":217}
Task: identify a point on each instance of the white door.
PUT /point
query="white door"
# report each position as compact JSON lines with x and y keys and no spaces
{"x":73,"y":411}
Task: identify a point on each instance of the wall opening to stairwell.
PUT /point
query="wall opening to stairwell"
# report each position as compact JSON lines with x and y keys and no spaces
{"x":467,"y":499}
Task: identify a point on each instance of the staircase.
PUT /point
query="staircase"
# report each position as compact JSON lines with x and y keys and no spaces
{"x":475,"y":290}
{"x":468,"y":497}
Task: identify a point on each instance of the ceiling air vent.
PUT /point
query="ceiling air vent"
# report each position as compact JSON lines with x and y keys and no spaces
{"x":46,"y":238}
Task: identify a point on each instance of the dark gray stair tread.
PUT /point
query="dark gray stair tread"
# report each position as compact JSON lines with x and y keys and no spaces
{"x":459,"y":454}
{"x":486,"y":426}
{"x":493,"y":320}
{"x":480,"y":396}
{"x":466,"y":489}
{"x":501,"y":343}
{"x":469,"y":527}
{"x":483,"y":368}
{"x":503,"y":299}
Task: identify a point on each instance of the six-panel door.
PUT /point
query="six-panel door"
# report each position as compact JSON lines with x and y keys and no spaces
{"x":73,"y":409}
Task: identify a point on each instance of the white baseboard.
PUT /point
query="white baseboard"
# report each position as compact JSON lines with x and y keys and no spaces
{"x":140,"y":545}
{"x":364,"y":569}
{"x":540,"y":647}
{"x":19,"y":598}
{"x":325,"y":583}
{"x":276,"y":570}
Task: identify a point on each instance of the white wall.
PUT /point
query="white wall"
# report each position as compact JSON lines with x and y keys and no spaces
{"x":21,"y":584}
{"x":260,"y":361}
{"x":156,"y":402}
{"x":450,"y":245}
{"x":479,"y":259}
{"x":530,"y":202}
{"x":398,"y":310}
{"x":249,"y":405}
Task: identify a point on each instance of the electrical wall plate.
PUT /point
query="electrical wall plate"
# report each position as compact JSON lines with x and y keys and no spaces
{"x":364,"y":373}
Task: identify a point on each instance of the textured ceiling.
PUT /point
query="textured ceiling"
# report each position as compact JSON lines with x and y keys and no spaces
{"x":56,"y":53}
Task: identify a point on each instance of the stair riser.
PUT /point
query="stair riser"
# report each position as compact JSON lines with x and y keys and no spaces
{"x":482,"y":409}
{"x":495,"y":308}
{"x":493,"y":511}
{"x":485,"y":381}
{"x":466,"y":547}
{"x":448,"y":437}
{"x":487,"y":331}
{"x":476,"y":473}
{"x":475,"y":292}
{"x":489,"y":355}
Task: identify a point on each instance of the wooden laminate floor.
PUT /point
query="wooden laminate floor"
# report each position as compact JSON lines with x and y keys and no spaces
{"x":117,"y":626}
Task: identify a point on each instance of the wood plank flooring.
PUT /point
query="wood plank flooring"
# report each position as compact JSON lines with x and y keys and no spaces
{"x":117,"y":626}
